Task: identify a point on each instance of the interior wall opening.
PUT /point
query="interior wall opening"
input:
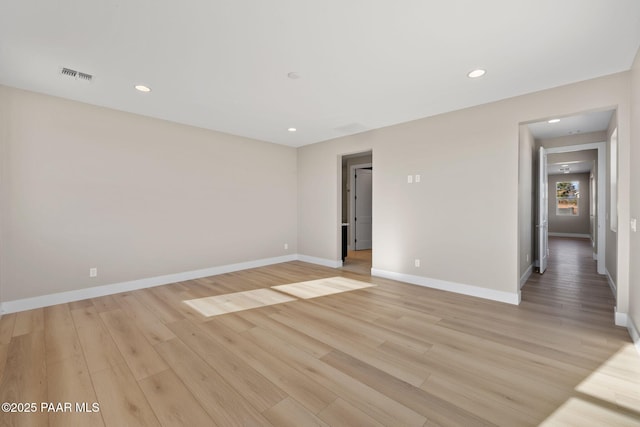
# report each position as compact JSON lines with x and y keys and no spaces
{"x":573,"y":225}
{"x":357,"y":212}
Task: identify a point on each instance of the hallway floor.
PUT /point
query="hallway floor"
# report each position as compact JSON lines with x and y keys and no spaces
{"x":573,"y":296}
{"x":358,"y":262}
{"x":571,"y":286}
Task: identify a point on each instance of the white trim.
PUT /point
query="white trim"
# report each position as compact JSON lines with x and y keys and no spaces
{"x":625,"y":320}
{"x":621,"y":319}
{"x":320,"y":261}
{"x":634,"y":333}
{"x":459,"y":288}
{"x":526,"y":276}
{"x":574,"y":235}
{"x":612,"y":284}
{"x":98,"y":291}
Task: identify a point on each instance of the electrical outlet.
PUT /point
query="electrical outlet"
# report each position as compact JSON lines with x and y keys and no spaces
{"x":286,"y":246}
{"x":93,"y":272}
{"x":417,"y":262}
{"x":409,"y":179}
{"x":417,"y":178}
{"x":634,"y":225}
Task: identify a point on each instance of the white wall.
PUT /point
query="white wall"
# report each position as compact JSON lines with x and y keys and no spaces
{"x":462,"y":220}
{"x":84,"y":186}
{"x":634,"y":279}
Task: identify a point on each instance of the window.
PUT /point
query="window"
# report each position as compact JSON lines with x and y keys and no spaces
{"x":567,"y":195}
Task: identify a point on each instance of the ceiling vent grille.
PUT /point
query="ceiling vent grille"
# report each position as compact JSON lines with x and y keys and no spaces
{"x":351,"y":128}
{"x":69,"y":72}
{"x":76,"y":74}
{"x":84,"y":76}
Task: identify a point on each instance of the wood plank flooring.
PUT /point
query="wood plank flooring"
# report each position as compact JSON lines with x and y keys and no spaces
{"x":387,"y":355}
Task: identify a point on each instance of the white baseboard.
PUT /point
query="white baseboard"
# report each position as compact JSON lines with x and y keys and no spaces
{"x":98,"y":291}
{"x":475,"y":291}
{"x":621,"y":319}
{"x":634,"y":332}
{"x":320,"y":261}
{"x":574,"y":235}
{"x":612,"y":284}
{"x":526,"y":276}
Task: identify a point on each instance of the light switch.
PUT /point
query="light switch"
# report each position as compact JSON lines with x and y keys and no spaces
{"x":633,"y":225}
{"x":409,"y":179}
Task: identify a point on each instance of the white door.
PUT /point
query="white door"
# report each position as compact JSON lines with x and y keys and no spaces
{"x":362,"y":214}
{"x":543,"y":212}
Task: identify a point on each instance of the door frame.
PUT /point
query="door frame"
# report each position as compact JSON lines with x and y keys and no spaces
{"x":543,"y":210}
{"x":602,"y":195}
{"x":352,"y":200}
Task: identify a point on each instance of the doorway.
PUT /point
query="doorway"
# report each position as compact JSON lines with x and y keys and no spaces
{"x":572,"y":183}
{"x":596,"y":211}
{"x":362,"y":208}
{"x":357,"y":212}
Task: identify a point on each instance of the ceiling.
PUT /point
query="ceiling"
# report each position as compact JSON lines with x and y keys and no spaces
{"x":595,"y":121}
{"x":361,"y":64}
{"x":569,"y":167}
{"x":572,"y":125}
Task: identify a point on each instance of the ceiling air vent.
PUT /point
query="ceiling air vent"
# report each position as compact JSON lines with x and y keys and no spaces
{"x":76,"y":74}
{"x":351,"y":128}
{"x":84,"y":76}
{"x":69,"y":72}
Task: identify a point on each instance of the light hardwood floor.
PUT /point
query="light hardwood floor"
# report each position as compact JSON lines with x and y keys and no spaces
{"x":393,"y":354}
{"x":358,"y":262}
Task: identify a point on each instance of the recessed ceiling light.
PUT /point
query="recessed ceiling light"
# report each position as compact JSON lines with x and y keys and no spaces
{"x":553,"y":121}
{"x":292,"y":129}
{"x":143,"y":88}
{"x":476,"y":73}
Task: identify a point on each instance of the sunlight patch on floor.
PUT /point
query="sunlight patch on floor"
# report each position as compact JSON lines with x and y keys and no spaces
{"x":616,"y":381}
{"x":322,"y":287}
{"x":229,"y":303}
{"x":246,"y":300}
{"x":580,"y":412}
{"x":601,"y":396}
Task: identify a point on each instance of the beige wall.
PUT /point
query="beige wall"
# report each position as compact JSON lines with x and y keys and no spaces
{"x":526,"y":197}
{"x":634,"y":279}
{"x":612,"y":236}
{"x":578,"y":224}
{"x":84,"y":187}
{"x":459,"y":221}
{"x":136,"y":197}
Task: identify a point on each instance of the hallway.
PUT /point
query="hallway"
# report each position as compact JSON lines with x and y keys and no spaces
{"x":571,"y":286}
